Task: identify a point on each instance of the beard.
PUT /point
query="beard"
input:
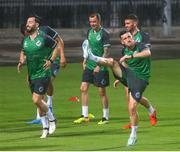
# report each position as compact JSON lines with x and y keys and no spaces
{"x":30,"y":30}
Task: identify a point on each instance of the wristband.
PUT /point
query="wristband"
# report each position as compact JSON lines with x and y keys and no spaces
{"x":51,"y":60}
{"x":132,"y":56}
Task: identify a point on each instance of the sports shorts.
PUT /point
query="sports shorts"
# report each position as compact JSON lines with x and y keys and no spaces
{"x":55,"y":68}
{"x":39,"y":85}
{"x":136,"y":85}
{"x":99,"y":79}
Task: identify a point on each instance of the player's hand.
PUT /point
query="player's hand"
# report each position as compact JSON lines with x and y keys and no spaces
{"x":97,"y":69}
{"x":115,"y":84}
{"x":125,"y":58}
{"x":47,"y":64}
{"x":63,"y":62}
{"x":19,"y":67}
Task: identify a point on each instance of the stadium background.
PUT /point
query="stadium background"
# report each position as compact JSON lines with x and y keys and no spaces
{"x":70,"y":19}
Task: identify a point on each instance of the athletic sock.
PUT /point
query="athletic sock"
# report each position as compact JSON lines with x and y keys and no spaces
{"x":49,"y":101}
{"x":96,"y":58}
{"x":44,"y":121}
{"x":151,"y":109}
{"x":37,"y":115}
{"x":133,"y":131}
{"x":85,"y":111}
{"x":50,"y":115}
{"x":106,"y":113}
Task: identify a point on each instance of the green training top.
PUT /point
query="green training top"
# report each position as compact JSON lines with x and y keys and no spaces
{"x":139,"y":66}
{"x":36,"y":52}
{"x":97,"y":42}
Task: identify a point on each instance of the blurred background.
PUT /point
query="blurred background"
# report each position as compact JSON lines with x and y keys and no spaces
{"x":70,"y":19}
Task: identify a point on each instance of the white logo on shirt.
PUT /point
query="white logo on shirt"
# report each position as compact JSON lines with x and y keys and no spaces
{"x":98,"y":37}
{"x":38,"y":43}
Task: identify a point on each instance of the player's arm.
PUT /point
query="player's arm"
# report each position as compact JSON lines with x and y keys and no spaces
{"x":144,"y":53}
{"x":60,"y":45}
{"x":22,"y":58}
{"x":49,"y":42}
{"x":106,"y":46}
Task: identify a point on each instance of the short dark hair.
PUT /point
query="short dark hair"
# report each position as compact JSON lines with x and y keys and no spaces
{"x":122,"y":33}
{"x":95,"y":14}
{"x":38,"y":19}
{"x":132,"y":17}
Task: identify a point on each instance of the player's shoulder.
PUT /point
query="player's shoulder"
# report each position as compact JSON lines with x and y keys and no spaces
{"x":144,"y":33}
{"x":25,"y":38}
{"x":104,"y":30}
{"x":142,"y":45}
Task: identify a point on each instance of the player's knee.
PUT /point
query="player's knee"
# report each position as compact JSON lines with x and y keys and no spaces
{"x":35,"y":99}
{"x":83,"y":88}
{"x":102,"y":93}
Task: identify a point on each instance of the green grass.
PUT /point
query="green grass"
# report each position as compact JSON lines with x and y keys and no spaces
{"x":16,"y":108}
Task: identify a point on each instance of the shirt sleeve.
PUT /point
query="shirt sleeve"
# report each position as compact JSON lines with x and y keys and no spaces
{"x":143,"y":46}
{"x":51,"y":32}
{"x":146,"y":38}
{"x":106,"y":39}
{"x":49,"y":42}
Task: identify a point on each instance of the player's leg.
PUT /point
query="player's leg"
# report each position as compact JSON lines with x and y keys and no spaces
{"x":101,"y":80}
{"x":87,"y":78}
{"x":55,"y":68}
{"x":39,"y":89}
{"x":136,"y":88}
{"x":105,"y":105}
{"x":134,"y":120}
{"x":151,"y":110}
{"x":128,"y":126}
{"x":42,"y":107}
{"x":50,"y":92}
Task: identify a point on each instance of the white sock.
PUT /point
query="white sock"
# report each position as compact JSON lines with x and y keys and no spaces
{"x":106,"y":113}
{"x":44,"y":121}
{"x":133,"y":131}
{"x":96,"y":58}
{"x":50,"y":115}
{"x":49,"y":101}
{"x":151,"y":110}
{"x":37,"y":115}
{"x":85,"y":111}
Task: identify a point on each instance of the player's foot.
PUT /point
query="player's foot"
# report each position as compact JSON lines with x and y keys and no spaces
{"x":81,"y":120}
{"x":45,"y":133}
{"x":52,"y":126}
{"x":131,"y":141}
{"x":91,"y":116}
{"x":103,"y":121}
{"x":35,"y":121}
{"x":128,"y":126}
{"x":153,"y":119}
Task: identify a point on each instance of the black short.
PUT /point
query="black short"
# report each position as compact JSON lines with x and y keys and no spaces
{"x":39,"y":85}
{"x":136,"y":85}
{"x":100,"y":79}
{"x":55,"y":69}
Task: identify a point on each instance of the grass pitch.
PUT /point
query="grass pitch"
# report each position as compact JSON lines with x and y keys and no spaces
{"x":16,"y":109}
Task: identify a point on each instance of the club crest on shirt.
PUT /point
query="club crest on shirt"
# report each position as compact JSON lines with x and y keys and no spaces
{"x":98,"y":37}
{"x":38,"y":43}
